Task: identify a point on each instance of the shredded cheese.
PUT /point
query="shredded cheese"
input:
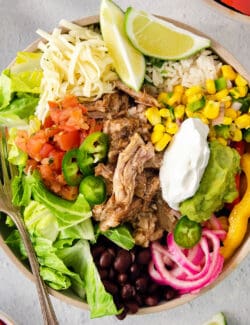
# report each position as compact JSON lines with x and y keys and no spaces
{"x":76,"y":62}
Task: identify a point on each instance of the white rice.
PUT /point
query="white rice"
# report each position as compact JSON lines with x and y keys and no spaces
{"x":188,"y":72}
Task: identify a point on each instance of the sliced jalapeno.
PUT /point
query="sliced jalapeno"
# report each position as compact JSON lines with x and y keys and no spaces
{"x":93,"y":150}
{"x":187,"y":233}
{"x":70,"y":168}
{"x":94,"y":189}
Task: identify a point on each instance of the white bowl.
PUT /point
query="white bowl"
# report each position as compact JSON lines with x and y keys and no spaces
{"x":68,"y":296}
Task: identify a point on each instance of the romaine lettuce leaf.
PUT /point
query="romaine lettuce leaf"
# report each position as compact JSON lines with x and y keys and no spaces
{"x":15,"y":155}
{"x":121,"y":236}
{"x":26,"y":61}
{"x":5,"y":89}
{"x":40,"y":221}
{"x":80,"y":259}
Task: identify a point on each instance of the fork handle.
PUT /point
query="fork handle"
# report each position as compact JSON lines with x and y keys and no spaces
{"x":48,"y":312}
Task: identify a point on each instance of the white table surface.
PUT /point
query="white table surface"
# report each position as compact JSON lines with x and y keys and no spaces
{"x":19,"y":20}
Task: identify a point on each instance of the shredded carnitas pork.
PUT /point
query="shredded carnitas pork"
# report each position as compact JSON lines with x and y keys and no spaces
{"x":132,"y":170}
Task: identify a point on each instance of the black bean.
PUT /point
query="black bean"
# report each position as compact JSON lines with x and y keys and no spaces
{"x":105,"y":259}
{"x":122,"y":261}
{"x":139,"y":300}
{"x":153,"y":287}
{"x":111,"y":274}
{"x":123,"y":314}
{"x":111,"y":251}
{"x":110,"y":287}
{"x":151,"y":300}
{"x":128,"y":291}
{"x":132,"y":306}
{"x":97,"y":250}
{"x":144,"y":257}
{"x":141,"y":284}
{"x":132,"y":253}
{"x":134,"y":271}
{"x":169,"y":294}
{"x":122,"y":278}
{"x":103,"y":273}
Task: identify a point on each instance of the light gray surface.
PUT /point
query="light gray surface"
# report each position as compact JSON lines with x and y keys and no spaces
{"x":19,"y":21}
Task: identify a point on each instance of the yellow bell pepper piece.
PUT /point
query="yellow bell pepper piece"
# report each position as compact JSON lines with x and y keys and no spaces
{"x":238,"y":218}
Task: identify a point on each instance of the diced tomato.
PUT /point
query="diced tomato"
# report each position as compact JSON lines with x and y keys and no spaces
{"x":48,"y":123}
{"x":239,"y":146}
{"x":45,"y":150}
{"x":53,"y":104}
{"x":94,"y":126}
{"x":55,"y":160}
{"x":67,"y":140}
{"x":69,"y":192}
{"x":21,"y":140}
{"x":35,"y":144}
{"x":70,"y":101}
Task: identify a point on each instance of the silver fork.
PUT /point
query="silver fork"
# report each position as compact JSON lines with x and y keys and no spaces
{"x":7,"y":207}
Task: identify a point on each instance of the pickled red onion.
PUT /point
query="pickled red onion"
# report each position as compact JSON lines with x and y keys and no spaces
{"x":188,"y":270}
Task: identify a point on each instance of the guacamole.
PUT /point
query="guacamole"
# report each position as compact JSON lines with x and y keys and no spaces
{"x":217,"y":185}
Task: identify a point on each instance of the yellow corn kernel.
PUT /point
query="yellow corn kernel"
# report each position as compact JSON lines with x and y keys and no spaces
{"x":193,"y":90}
{"x":243,"y":121}
{"x":189,"y":113}
{"x":228,"y":72}
{"x":234,"y":92}
{"x":222,"y":141}
{"x":210,"y":86}
{"x":227,"y":103}
{"x":230,"y":112}
{"x":163,"y":97}
{"x":156,"y":136}
{"x":172,"y":127}
{"x":211,"y":109}
{"x":184,"y":99}
{"x":164,"y":112}
{"x":153,"y":115}
{"x":176,"y":97}
{"x":163,"y":142}
{"x":227,"y":120}
{"x":179,"y":111}
{"x":201,"y":117}
{"x":221,"y":94}
{"x":159,"y":128}
{"x":179,"y":89}
{"x":237,"y":135}
{"x":242,"y":90}
{"x":240,"y":81}
{"x":194,"y":98}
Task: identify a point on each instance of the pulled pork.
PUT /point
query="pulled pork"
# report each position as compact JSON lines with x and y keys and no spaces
{"x":130,"y":163}
{"x":131,"y":173}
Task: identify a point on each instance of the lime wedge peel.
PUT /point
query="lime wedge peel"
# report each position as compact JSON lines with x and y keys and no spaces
{"x":218,"y":319}
{"x":129,"y":63}
{"x":160,"y":39}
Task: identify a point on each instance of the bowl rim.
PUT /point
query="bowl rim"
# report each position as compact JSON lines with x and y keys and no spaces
{"x":229,"y":12}
{"x":230,"y":265}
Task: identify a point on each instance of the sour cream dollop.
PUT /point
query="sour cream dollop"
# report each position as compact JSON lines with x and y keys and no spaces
{"x":184,"y":162}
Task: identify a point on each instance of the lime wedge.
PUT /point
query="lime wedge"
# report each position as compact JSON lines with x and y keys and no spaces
{"x":128,"y":62}
{"x":218,"y":319}
{"x":160,"y":39}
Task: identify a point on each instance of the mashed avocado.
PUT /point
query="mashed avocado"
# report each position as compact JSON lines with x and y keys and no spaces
{"x":217,"y":185}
